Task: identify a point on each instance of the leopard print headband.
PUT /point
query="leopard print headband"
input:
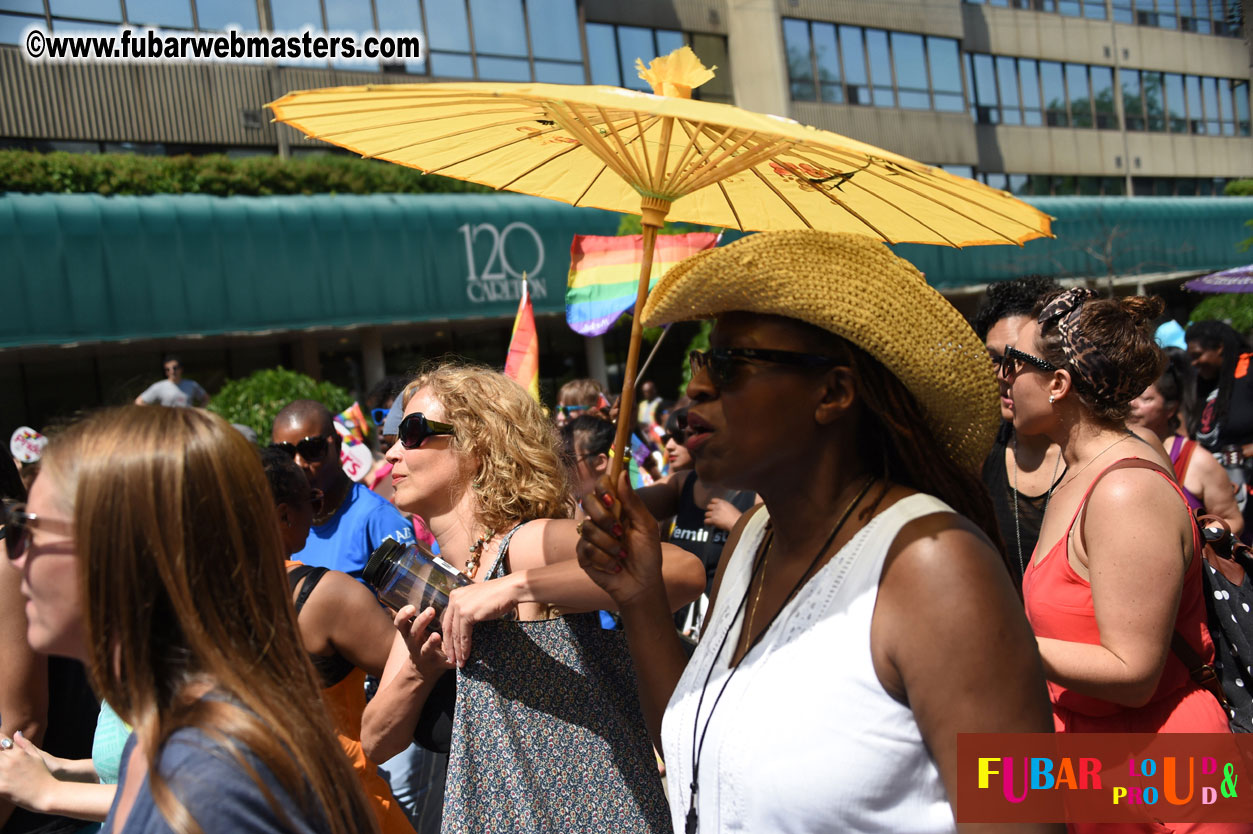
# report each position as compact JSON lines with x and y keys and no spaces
{"x":1093,"y":372}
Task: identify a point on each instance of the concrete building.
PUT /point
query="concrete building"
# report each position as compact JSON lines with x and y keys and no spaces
{"x":1041,"y":97}
{"x":1149,"y":97}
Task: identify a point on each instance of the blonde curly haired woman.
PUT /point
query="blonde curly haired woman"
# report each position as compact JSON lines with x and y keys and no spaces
{"x":477,"y":458}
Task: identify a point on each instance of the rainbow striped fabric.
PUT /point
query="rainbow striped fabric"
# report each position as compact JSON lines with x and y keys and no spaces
{"x":522,"y":363}
{"x":605,"y":273}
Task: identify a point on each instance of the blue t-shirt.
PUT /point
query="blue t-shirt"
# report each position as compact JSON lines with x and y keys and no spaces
{"x":217,"y":792}
{"x":360,"y":525}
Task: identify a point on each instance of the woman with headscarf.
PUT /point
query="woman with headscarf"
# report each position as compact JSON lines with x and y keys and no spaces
{"x":862,"y":618}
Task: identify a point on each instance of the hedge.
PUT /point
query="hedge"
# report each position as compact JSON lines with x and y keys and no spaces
{"x":1239,"y":188}
{"x":256,"y":400}
{"x":216,"y":174}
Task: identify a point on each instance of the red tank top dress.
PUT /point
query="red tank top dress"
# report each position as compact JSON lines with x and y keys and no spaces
{"x":1059,"y":606}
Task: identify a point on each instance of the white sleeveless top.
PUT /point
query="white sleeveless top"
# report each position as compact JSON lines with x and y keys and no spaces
{"x":805,"y":739}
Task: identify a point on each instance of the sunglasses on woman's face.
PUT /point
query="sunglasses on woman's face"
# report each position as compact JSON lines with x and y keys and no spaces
{"x":17,"y":525}
{"x":415,"y":428}
{"x":723,"y":364}
{"x":310,"y":448}
{"x":1013,"y":359}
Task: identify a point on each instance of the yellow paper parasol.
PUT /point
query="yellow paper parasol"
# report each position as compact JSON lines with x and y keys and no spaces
{"x":660,"y":155}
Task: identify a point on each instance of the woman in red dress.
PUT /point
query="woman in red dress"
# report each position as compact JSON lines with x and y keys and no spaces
{"x":1117,"y":571}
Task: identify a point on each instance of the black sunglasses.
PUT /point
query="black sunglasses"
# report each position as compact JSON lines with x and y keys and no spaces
{"x":721,"y":363}
{"x":310,"y":448}
{"x":17,"y":526}
{"x":415,"y":428}
{"x":379,"y":415}
{"x":1012,"y":360}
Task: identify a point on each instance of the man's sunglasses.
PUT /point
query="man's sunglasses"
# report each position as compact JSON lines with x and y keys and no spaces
{"x":17,"y":526}
{"x":1012,"y":360}
{"x":573,"y":410}
{"x":722,"y":363}
{"x":310,"y":448}
{"x":415,"y":428}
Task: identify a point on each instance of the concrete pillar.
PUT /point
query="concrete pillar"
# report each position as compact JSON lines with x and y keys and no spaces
{"x":307,"y":361}
{"x":594,"y":349}
{"x":759,"y":64}
{"x":371,"y":358}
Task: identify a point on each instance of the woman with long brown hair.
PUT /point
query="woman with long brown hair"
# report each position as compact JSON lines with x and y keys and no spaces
{"x":862,"y":618}
{"x":150,"y":549}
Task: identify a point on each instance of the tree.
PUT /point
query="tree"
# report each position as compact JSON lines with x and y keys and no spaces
{"x":256,"y":400}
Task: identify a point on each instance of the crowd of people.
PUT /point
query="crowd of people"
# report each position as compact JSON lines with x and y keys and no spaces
{"x":865,"y":527}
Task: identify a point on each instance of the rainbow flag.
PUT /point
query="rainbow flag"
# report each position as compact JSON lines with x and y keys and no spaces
{"x":522,"y":364}
{"x":605,"y":274}
{"x":353,"y":419}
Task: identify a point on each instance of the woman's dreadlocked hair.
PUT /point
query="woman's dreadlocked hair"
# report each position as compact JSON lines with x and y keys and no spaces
{"x":898,"y":443}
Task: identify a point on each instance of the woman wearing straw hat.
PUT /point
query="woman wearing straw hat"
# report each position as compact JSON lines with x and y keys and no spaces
{"x":858,"y":622}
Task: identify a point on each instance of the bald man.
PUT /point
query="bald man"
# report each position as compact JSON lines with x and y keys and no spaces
{"x":353,"y":521}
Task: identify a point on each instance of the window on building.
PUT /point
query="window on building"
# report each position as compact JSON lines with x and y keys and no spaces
{"x":448,"y":39}
{"x":1055,"y":112}
{"x":1153,"y":86}
{"x":1241,"y":91}
{"x":108,"y":11}
{"x":1080,"y":95}
{"x":1209,"y":93}
{"x":855,"y":65}
{"x":1103,"y":97}
{"x":983,"y":89}
{"x":1177,"y":121}
{"x":1226,"y":113}
{"x":880,"y":68}
{"x":1132,"y":100}
{"x":26,"y":13}
{"x":612,"y":51}
{"x":1192,"y":94}
{"x":1007,"y":85}
{"x":853,"y":59}
{"x":909,"y":60}
{"x":218,"y":14}
{"x":172,"y":13}
{"x":402,"y":16}
{"x":946,"y":74}
{"x":1219,"y":17}
{"x":1029,"y":82}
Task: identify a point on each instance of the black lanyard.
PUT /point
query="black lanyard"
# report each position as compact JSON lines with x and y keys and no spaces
{"x":693,"y":821}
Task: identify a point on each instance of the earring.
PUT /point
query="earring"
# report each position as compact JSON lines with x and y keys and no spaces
{"x":1051,"y":398}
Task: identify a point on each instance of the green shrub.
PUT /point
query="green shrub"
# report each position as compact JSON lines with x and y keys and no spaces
{"x":256,"y":400}
{"x":1239,"y":188}
{"x":222,"y":176}
{"x":1234,"y":308}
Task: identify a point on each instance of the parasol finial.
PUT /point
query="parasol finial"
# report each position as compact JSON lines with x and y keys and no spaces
{"x":676,"y":74}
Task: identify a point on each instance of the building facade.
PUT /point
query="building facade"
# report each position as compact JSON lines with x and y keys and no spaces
{"x":1040,"y":97}
{"x":1060,"y":97}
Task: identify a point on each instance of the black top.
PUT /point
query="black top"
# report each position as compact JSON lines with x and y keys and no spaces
{"x":331,"y":668}
{"x":693,"y":535}
{"x":72,"y":712}
{"x":1030,"y":508}
{"x":1236,"y":427}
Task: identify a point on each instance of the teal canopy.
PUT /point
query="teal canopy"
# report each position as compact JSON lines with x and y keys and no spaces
{"x":87,"y":268}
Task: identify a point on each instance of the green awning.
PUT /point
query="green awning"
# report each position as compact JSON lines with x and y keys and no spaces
{"x":86,"y":268}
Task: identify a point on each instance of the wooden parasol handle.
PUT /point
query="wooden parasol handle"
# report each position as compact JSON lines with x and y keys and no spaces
{"x":652,"y":219}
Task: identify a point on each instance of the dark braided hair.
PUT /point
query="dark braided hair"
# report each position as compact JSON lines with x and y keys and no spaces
{"x":287,"y":480}
{"x":897,"y":442}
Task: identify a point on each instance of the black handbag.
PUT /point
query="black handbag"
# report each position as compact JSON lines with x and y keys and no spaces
{"x":1229,"y":605}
